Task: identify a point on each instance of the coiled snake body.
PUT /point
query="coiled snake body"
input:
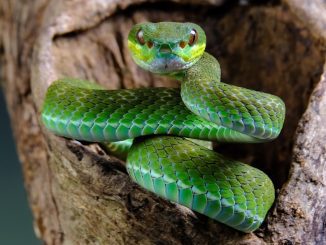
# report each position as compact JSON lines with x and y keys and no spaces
{"x":160,"y":158}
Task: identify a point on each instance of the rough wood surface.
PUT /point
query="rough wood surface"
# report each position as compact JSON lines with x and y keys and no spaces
{"x":79,"y":194}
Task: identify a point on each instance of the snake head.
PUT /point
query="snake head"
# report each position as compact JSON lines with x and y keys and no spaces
{"x":166,"y":47}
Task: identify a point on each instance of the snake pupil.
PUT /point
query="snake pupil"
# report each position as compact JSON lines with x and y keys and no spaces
{"x":193,"y":37}
{"x":140,"y":37}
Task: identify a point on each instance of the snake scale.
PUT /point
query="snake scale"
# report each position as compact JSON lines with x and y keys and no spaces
{"x":160,"y":120}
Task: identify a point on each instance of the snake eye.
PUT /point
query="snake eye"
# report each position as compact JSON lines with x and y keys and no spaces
{"x":193,"y":37}
{"x":140,"y":37}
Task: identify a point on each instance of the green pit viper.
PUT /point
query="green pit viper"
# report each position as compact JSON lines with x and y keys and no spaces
{"x":159,"y":121}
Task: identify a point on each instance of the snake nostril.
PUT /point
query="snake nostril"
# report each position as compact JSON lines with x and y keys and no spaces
{"x":150,"y":44}
{"x":182,"y":44}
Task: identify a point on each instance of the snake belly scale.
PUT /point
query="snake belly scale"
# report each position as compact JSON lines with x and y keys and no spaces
{"x":161,"y":158}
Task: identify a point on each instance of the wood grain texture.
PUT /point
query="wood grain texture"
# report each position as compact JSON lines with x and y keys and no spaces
{"x":312,"y":13}
{"x":79,"y":194}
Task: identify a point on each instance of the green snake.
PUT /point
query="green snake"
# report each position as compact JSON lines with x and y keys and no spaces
{"x":161,"y":158}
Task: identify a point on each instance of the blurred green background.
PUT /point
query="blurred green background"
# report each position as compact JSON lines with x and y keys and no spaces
{"x":16,"y":225}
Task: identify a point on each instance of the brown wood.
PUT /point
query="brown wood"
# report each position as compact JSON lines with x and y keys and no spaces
{"x":79,"y":194}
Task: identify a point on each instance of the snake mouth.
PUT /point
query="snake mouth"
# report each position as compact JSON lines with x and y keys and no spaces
{"x":167,"y":63}
{"x":165,"y":49}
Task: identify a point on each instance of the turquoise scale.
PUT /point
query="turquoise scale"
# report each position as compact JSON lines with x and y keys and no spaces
{"x":200,"y":179}
{"x":119,"y":115}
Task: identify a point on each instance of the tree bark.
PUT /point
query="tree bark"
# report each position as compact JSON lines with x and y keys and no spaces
{"x":79,"y":194}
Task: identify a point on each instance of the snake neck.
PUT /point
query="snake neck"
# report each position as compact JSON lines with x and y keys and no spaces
{"x":198,"y":86}
{"x":253,"y":113}
{"x":206,"y":69}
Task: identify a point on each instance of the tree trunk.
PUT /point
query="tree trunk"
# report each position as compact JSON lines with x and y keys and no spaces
{"x":79,"y":194}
